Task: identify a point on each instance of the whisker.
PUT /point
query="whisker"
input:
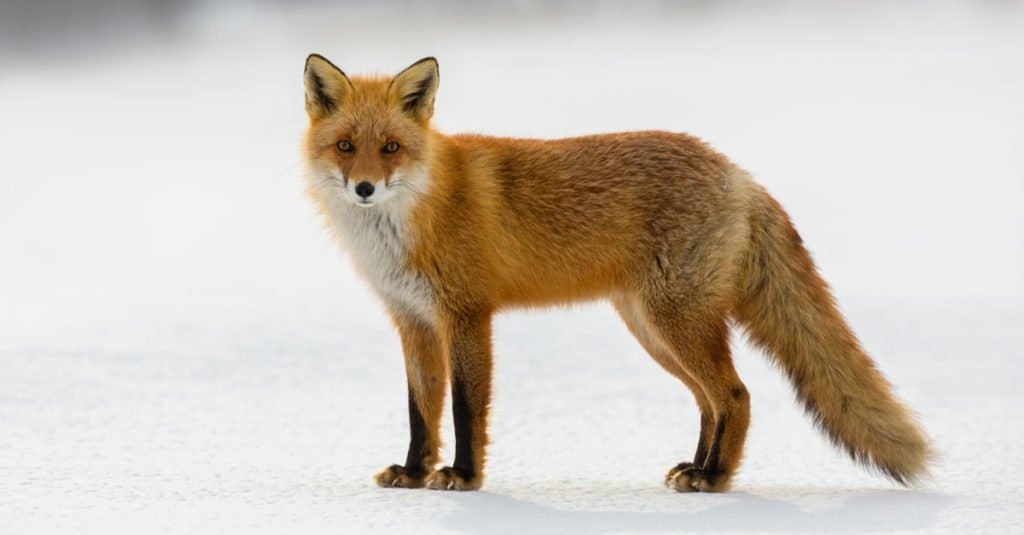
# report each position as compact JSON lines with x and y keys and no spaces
{"x":414,"y":190}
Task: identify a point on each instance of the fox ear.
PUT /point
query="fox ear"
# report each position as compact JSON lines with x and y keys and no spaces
{"x":414,"y":88}
{"x":326,"y":86}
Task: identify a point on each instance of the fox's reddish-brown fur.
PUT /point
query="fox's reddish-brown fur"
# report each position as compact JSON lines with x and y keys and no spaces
{"x":679,"y":239}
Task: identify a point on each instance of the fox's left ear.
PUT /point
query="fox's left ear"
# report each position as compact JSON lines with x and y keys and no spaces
{"x":414,"y":88}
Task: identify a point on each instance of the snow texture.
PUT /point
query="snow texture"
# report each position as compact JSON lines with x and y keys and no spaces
{"x":183,"y":349}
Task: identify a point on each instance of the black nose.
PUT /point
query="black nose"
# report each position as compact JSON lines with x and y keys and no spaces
{"x":364,"y":189}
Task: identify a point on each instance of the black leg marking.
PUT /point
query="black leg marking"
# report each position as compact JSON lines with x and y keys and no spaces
{"x":702,"y":445}
{"x":704,"y":473}
{"x":711,"y":463}
{"x":414,"y":461}
{"x":463,"y":416}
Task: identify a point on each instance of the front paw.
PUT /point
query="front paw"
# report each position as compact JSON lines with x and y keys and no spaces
{"x":397,"y":476}
{"x":449,"y":478}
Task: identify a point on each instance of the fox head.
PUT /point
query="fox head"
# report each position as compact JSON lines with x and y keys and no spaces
{"x":368,"y":136}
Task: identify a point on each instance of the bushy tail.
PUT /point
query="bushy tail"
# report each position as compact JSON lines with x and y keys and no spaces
{"x":788,"y":310}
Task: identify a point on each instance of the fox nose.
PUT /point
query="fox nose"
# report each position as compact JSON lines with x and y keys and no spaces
{"x":364,"y":189}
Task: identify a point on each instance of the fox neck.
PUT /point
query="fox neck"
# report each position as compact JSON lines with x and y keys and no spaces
{"x":379,"y":240}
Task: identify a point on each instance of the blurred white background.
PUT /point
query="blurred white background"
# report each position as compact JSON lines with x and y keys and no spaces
{"x":181,"y":343}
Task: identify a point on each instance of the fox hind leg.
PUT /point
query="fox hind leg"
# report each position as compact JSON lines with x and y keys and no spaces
{"x":703,"y":351}
{"x":697,"y":334}
{"x":632,"y":312}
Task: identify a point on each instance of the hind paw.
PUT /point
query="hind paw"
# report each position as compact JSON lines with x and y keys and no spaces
{"x":679,"y":477}
{"x":685,"y":477}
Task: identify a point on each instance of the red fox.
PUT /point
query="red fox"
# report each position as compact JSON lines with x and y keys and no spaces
{"x":450,"y":229}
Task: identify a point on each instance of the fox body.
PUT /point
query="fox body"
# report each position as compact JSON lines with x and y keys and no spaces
{"x":448,"y":230}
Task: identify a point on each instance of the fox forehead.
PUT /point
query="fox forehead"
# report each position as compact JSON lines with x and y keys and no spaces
{"x":368,"y":113}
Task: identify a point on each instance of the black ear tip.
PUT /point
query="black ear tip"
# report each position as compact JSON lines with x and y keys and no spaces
{"x":319,"y":61}
{"x":428,"y":59}
{"x":313,"y":57}
{"x":432,"y":61}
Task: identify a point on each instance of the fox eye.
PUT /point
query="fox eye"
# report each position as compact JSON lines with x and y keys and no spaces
{"x":391,"y":146}
{"x":345,"y":146}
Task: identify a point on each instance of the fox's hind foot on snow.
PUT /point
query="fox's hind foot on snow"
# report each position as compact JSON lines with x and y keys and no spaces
{"x":685,"y":477}
{"x":679,"y":477}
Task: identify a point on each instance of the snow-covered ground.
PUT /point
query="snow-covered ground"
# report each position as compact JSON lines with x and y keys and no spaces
{"x":182,"y":348}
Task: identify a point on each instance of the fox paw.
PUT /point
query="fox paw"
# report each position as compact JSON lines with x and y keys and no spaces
{"x":685,"y":477}
{"x":679,"y":477}
{"x":396,"y":476}
{"x":449,"y":478}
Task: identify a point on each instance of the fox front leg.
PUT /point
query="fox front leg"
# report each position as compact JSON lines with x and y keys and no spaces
{"x":426,"y":373}
{"x":468,"y":338}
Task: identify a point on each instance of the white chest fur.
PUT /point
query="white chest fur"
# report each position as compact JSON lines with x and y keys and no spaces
{"x":378,"y":239}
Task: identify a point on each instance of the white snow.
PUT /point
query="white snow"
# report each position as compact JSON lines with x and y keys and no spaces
{"x":183,"y":350}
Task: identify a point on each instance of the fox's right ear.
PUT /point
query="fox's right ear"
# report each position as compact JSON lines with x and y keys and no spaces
{"x":327,"y":87}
